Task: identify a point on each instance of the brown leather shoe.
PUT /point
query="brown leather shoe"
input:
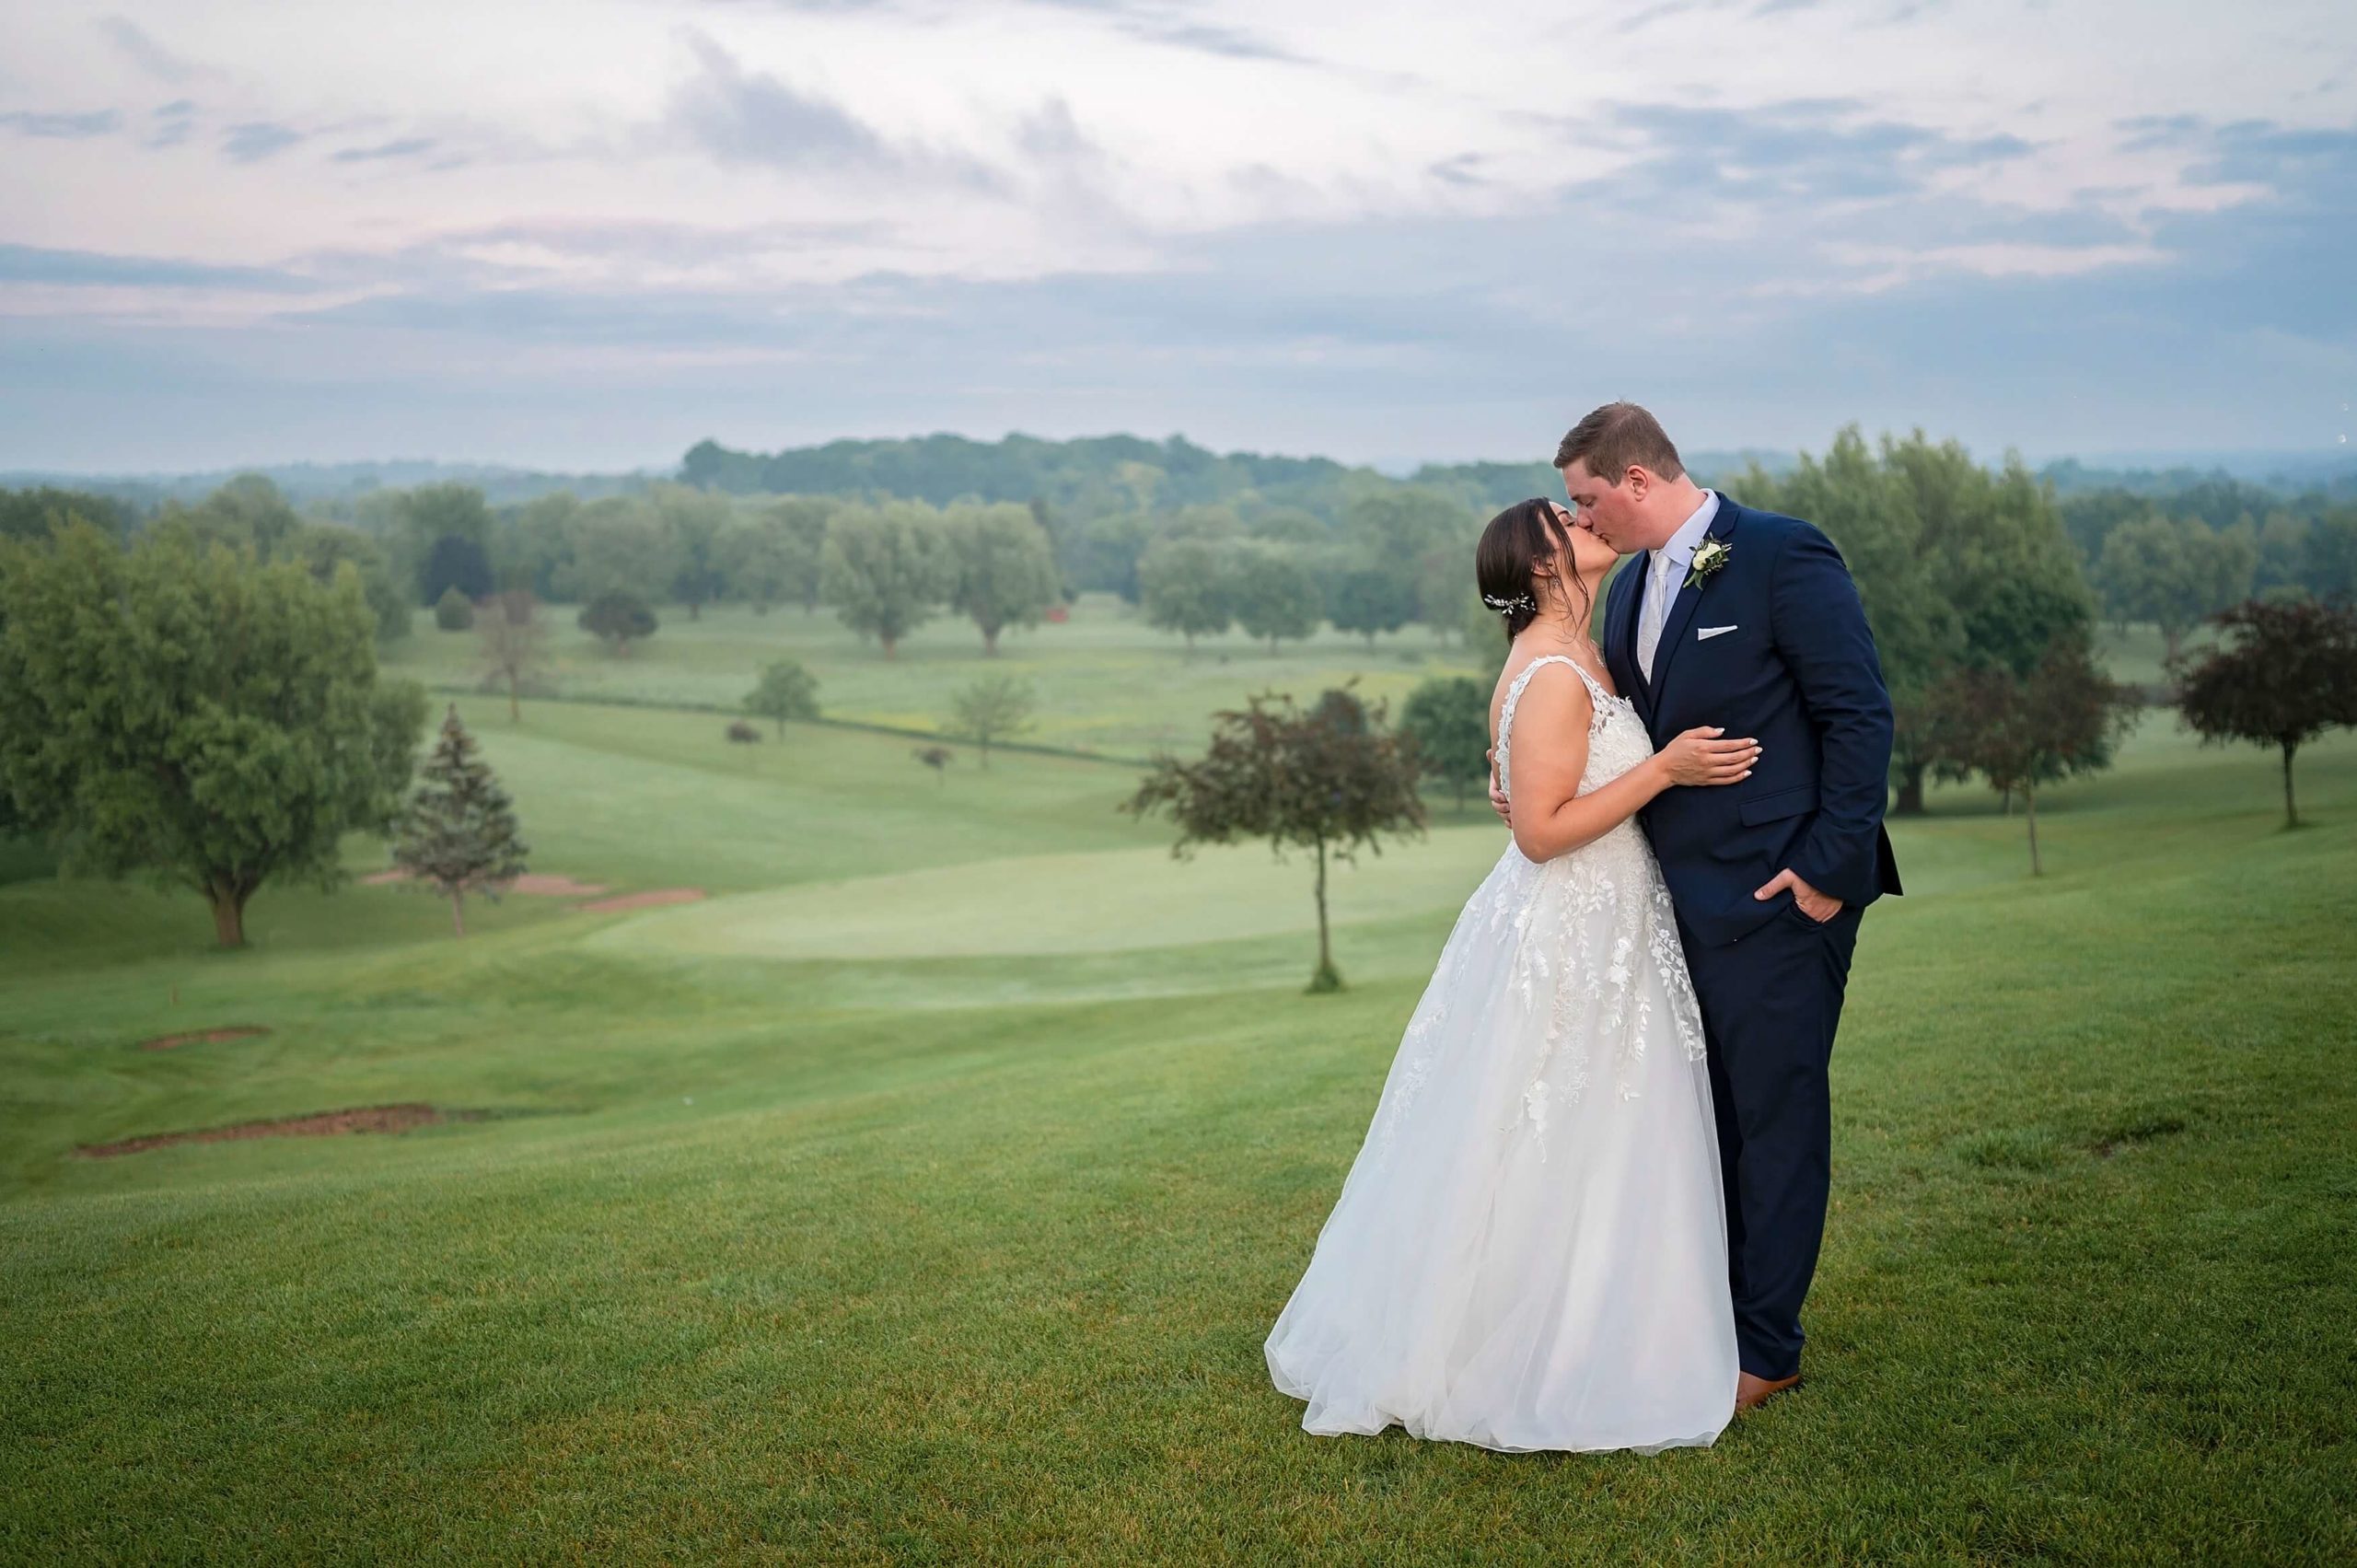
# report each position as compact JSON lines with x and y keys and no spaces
{"x":1751,"y":1392}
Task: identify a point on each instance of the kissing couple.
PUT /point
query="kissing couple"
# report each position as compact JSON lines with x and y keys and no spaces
{"x":1589,"y":1205}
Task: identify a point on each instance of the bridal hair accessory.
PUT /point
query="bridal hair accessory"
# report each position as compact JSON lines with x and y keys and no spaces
{"x":1508,"y":606}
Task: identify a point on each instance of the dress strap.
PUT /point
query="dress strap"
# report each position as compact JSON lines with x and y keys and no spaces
{"x":1514,"y":697}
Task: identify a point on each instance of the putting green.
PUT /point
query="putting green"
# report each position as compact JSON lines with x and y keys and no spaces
{"x":1113,"y":901}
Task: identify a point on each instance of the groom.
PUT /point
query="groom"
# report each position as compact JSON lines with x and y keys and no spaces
{"x":1749,"y":621}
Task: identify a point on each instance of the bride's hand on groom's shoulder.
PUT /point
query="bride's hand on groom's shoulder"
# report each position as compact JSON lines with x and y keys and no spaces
{"x":1702,"y":756}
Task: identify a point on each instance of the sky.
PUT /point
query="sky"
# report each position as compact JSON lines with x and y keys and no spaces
{"x":586,"y":234}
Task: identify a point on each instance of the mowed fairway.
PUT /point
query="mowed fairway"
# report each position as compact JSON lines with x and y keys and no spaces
{"x":924,"y":1193}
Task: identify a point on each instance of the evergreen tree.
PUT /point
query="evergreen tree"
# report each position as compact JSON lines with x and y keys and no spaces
{"x":458,"y":832}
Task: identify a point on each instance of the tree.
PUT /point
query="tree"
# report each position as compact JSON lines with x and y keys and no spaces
{"x":774,"y":559}
{"x":2331,"y":555}
{"x":536,"y":545}
{"x":992,"y":708}
{"x":1370,"y":598}
{"x":322,"y":548}
{"x":884,"y":570}
{"x":1183,"y":587}
{"x":2283,"y":675}
{"x":250,"y":511}
{"x":2063,"y":719}
{"x":619,"y":617}
{"x":192,"y":713}
{"x":458,"y":832}
{"x":1957,"y":568}
{"x":2173,"y":573}
{"x":454,"y":611}
{"x":515,"y":643}
{"x":1006,"y":568}
{"x":457,"y":565}
{"x":785,"y":690}
{"x":1274,"y":595}
{"x":1448,"y":720}
{"x":618,"y":544}
{"x":692,"y":524}
{"x":1105,"y":553}
{"x":446,"y":533}
{"x":1329,"y":781}
{"x":32,"y":514}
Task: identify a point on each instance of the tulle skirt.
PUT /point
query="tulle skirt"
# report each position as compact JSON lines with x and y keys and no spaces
{"x":1530,"y":1249}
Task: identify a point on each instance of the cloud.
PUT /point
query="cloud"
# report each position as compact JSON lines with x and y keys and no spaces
{"x":257,"y":140}
{"x":1803,"y":150}
{"x":142,"y":51}
{"x":35,"y":264}
{"x":1178,"y":26}
{"x":64,"y":127}
{"x":740,"y":117}
{"x":405,"y":147}
{"x":171,"y":123}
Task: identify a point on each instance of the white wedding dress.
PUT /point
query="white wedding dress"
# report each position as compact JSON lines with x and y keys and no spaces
{"x":1530,"y":1250}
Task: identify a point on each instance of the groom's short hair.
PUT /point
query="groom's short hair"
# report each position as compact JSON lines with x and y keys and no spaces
{"x":1614,"y":436}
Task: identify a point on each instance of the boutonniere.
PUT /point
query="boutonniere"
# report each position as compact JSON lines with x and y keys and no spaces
{"x":1708,"y":560}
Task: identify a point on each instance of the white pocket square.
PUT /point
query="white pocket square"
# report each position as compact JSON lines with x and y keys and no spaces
{"x":1707,"y":632}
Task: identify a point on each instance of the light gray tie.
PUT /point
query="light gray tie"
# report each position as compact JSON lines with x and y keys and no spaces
{"x":1656,"y":609}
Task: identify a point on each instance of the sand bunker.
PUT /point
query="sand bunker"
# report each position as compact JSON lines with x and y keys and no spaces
{"x":209,"y":1036}
{"x":546,"y":884}
{"x":325,"y":1123}
{"x":651,"y":899}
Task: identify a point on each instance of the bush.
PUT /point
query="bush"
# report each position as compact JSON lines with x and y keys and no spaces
{"x":743,"y":734}
{"x":619,"y":617}
{"x":454,"y":611}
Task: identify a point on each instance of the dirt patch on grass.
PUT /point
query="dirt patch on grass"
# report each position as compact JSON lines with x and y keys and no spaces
{"x":208,"y":1037}
{"x":532,"y":884}
{"x":319,"y":1124}
{"x":653,"y":899}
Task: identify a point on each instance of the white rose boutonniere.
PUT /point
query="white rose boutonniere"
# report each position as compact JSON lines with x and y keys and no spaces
{"x":1708,"y":560}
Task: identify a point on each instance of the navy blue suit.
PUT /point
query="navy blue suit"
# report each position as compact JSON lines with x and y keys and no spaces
{"x":1789,"y":661}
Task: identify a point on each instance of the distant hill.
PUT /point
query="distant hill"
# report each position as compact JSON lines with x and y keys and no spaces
{"x":2283,"y":473}
{"x":1103,"y":474}
{"x":1108,"y":474}
{"x":328,"y":482}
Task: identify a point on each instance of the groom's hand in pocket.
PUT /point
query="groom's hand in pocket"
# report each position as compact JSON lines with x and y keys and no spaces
{"x":1818,"y":907}
{"x":1497,"y":795}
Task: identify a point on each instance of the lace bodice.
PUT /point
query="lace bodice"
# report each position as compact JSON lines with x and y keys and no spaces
{"x":1617,"y":740}
{"x":1582,"y":950}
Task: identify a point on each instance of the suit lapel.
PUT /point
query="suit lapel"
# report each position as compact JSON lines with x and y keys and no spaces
{"x":1681,"y":608}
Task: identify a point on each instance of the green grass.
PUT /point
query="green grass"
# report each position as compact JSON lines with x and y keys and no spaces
{"x":1107,"y":682}
{"x":927,"y":1195}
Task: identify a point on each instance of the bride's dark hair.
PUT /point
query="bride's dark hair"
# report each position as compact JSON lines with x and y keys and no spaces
{"x":1506,"y":563}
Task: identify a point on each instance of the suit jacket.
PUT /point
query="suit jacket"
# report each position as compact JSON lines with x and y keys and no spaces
{"x":1774,"y":646}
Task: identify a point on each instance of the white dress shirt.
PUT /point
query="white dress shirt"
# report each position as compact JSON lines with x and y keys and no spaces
{"x":1665,"y":572}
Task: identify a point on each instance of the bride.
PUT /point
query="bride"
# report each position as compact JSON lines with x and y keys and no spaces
{"x":1530,"y":1249}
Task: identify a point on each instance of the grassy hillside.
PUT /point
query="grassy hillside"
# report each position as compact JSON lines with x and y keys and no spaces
{"x":925,"y":1194}
{"x":1106,"y":680}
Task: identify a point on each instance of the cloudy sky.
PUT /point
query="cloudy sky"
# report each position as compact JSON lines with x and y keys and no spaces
{"x":587,"y":233}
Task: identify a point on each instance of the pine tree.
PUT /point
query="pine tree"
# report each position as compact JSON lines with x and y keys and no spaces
{"x":458,"y":832}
